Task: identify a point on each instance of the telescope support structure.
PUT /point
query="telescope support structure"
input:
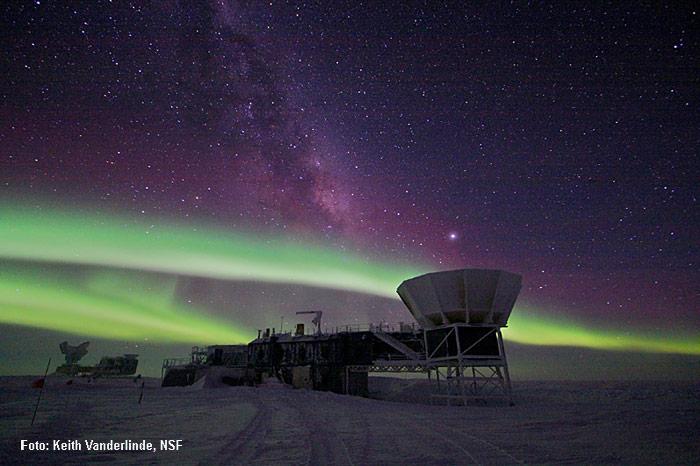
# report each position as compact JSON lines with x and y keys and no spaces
{"x":467,"y":362}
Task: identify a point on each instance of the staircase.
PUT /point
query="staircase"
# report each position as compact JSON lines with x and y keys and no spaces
{"x":397,"y":345}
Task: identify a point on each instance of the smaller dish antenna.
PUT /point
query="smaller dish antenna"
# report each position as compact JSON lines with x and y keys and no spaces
{"x":74,"y":353}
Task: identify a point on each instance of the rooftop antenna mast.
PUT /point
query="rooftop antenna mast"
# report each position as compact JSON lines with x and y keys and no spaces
{"x":316,"y":320}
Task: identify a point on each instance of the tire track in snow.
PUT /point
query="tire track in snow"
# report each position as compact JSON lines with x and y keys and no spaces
{"x":497,"y":455}
{"x":385,"y":434}
{"x":316,"y":428}
{"x":243,"y":447}
{"x":390,"y":429}
{"x":479,"y":450}
{"x":326,"y":443}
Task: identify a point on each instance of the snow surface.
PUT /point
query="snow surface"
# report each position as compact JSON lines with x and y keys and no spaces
{"x":552,"y":422}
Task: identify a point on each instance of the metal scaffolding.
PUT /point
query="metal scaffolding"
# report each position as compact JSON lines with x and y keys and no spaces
{"x":466,"y":365}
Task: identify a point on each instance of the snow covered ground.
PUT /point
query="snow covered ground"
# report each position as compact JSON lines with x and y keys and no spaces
{"x":552,"y":422}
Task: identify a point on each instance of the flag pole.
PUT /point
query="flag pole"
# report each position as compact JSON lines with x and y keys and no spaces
{"x":143,"y":383}
{"x":41,"y":390}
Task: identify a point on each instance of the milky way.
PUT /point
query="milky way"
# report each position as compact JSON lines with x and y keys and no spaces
{"x":390,"y":138}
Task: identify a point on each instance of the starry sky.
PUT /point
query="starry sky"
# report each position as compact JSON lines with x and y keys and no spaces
{"x":329,"y":150}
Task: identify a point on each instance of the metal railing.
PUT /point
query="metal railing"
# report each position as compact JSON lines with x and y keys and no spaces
{"x":386,"y":327}
{"x":172,"y":362}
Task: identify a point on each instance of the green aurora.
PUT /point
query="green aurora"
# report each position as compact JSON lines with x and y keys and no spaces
{"x":44,"y":301}
{"x":121,"y":304}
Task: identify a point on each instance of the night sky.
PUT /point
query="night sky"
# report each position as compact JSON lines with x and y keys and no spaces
{"x":380,"y":139}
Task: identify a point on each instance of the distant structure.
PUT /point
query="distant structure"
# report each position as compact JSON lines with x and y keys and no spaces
{"x":109,"y":366}
{"x":456,"y":340}
{"x":74,"y":354}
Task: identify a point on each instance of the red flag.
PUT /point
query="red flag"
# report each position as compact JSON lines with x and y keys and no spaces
{"x":38,"y":383}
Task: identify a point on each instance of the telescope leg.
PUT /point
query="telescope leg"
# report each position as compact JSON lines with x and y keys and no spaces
{"x":506,"y":373}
